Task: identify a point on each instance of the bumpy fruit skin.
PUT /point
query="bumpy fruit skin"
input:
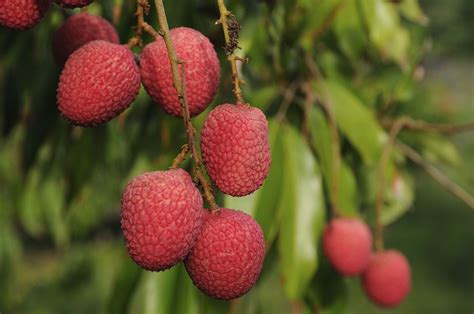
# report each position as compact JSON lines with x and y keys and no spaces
{"x":77,"y":31}
{"x":387,"y":279}
{"x":98,"y":82}
{"x":347,"y":244}
{"x":234,"y":144}
{"x":71,"y":4}
{"x":202,"y":71}
{"x":22,"y":14}
{"x":227,"y":258}
{"x":161,"y":215}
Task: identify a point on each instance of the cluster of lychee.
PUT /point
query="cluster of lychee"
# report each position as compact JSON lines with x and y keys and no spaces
{"x":25,"y":14}
{"x":162,"y":212}
{"x":385,"y":275}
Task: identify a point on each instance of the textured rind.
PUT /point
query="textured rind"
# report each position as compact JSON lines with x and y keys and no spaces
{"x":387,"y":279}
{"x":23,"y":14}
{"x":98,"y":82}
{"x":201,"y":65}
{"x":77,"y":31}
{"x":234,"y":144}
{"x":161,"y":215}
{"x":227,"y":258}
{"x":73,"y":3}
{"x":347,"y":244}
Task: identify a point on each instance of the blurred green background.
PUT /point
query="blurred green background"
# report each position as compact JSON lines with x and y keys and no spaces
{"x":61,"y":249}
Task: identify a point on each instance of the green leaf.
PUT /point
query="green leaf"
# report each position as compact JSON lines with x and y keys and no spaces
{"x":349,"y":30}
{"x":124,"y":286}
{"x":348,"y":194}
{"x":186,"y":294}
{"x":154,"y":294}
{"x":303,"y":214}
{"x":328,"y":291}
{"x":385,"y":31}
{"x":355,"y":121}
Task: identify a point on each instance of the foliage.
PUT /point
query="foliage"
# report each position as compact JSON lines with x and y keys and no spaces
{"x":60,"y":186}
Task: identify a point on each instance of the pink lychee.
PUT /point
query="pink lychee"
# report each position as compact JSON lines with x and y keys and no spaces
{"x":22,"y":14}
{"x":71,"y":4}
{"x":347,"y":244}
{"x":387,"y":279}
{"x":234,"y":144}
{"x":77,"y":31}
{"x":98,"y":82}
{"x":227,"y":258}
{"x":202,"y":71}
{"x":161,"y":216}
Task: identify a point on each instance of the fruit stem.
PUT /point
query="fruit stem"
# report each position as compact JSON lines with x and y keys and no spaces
{"x":380,"y":199}
{"x":180,"y":157}
{"x":179,"y":85}
{"x":437,"y":175}
{"x":143,"y":8}
{"x":231,"y":28}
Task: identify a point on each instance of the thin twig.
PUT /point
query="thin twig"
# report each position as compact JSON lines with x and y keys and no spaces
{"x":423,"y":126}
{"x":178,"y":84}
{"x":326,"y":105}
{"x":231,"y":28}
{"x":380,"y":198}
{"x":180,"y":157}
{"x":328,"y":20}
{"x":437,"y":175}
{"x":143,"y":8}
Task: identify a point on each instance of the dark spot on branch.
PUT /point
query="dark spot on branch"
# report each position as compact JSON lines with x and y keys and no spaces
{"x":234,"y":28}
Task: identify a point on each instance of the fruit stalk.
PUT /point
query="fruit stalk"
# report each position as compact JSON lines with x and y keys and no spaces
{"x":178,"y":84}
{"x":142,"y":9}
{"x":231,"y":28}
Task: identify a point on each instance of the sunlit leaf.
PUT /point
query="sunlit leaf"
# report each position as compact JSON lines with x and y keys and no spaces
{"x":303,"y":213}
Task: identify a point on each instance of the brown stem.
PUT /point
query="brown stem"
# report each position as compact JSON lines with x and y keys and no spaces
{"x":180,"y":157}
{"x":437,"y":175}
{"x":328,"y":21}
{"x":231,"y":28}
{"x":418,"y":125}
{"x":178,"y":84}
{"x":326,"y":105}
{"x":380,"y":198}
{"x":143,"y":8}
{"x":288,"y":96}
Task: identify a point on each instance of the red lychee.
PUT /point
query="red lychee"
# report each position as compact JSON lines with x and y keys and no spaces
{"x":226,"y":260}
{"x":161,"y":216}
{"x":98,"y":82}
{"x":71,"y":4}
{"x":387,"y":279}
{"x":234,"y":143}
{"x":77,"y":31}
{"x":347,"y":244}
{"x":202,"y":71}
{"x":22,"y":14}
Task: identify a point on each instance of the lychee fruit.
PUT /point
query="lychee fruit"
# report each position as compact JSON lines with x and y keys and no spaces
{"x":234,"y":144}
{"x":387,"y":279}
{"x":347,"y":244}
{"x":201,"y":69}
{"x":98,"y":82}
{"x":227,"y":258}
{"x":71,"y":4}
{"x":161,"y":216}
{"x":77,"y":31}
{"x":22,"y":14}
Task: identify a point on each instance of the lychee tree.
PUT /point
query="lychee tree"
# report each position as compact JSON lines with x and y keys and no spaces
{"x":255,"y":150}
